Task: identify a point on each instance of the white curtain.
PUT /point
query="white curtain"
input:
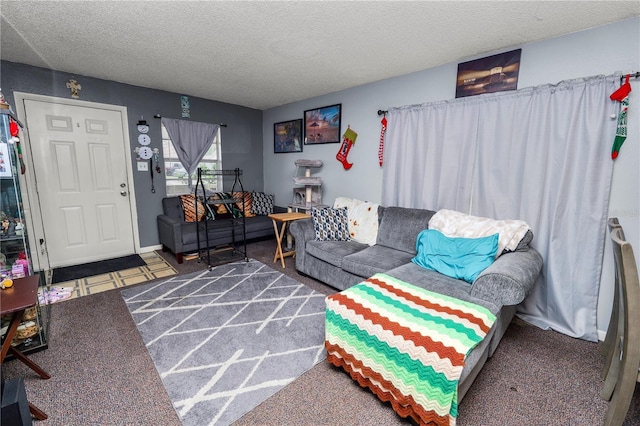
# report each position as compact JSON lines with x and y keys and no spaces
{"x":540,"y":154}
{"x":191,"y":140}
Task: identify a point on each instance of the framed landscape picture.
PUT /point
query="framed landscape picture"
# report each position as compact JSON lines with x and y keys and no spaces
{"x":495,"y":73}
{"x":287,"y":136}
{"x":322,"y":125}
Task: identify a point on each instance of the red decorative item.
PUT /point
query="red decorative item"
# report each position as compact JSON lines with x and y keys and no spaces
{"x":622,"y":91}
{"x":348,"y":139}
{"x":381,"y":147}
{"x":621,"y":95}
{"x":13,"y":128}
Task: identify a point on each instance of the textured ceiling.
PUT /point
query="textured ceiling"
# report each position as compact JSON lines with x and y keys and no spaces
{"x":264,"y":54}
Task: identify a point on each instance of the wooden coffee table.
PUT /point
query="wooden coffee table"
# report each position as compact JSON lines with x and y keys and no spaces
{"x":284,"y":219}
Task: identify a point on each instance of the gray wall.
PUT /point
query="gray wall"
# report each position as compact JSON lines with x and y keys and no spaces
{"x":602,"y":50}
{"x":241,"y":139}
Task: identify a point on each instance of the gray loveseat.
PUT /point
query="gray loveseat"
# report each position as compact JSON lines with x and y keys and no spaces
{"x":179,"y":236}
{"x":499,"y":288}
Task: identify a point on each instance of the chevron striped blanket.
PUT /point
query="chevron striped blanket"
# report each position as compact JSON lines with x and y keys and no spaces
{"x":406,"y":344}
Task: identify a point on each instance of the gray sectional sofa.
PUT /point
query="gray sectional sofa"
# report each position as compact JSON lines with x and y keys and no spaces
{"x":499,"y":288}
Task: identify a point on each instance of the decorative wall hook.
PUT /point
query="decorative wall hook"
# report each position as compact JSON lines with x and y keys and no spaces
{"x":75,"y":88}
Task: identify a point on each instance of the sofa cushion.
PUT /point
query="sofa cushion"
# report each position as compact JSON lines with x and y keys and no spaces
{"x":172,"y":207}
{"x":333,"y":252}
{"x":257,"y":223}
{"x":189,"y":233}
{"x":374,"y":259}
{"x":330,"y":224}
{"x":435,"y":281}
{"x":462,"y":258}
{"x":400,"y":226}
{"x":261,"y":203}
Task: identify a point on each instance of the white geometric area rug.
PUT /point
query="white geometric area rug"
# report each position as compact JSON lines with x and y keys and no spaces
{"x":225,"y":340}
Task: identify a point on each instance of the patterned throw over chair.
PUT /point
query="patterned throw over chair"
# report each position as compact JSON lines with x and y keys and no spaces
{"x":623,"y":336}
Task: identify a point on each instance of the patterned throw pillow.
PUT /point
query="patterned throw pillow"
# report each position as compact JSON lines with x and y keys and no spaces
{"x":225,"y":205}
{"x":331,"y":224}
{"x":188,"y":202}
{"x":261,"y":203}
{"x":244,"y":197}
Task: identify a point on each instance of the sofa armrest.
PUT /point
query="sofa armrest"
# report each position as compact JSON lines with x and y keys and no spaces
{"x":510,"y":279}
{"x":170,"y":232}
{"x":302,"y":231}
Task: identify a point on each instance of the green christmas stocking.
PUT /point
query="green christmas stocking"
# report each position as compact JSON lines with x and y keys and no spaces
{"x":621,"y":95}
{"x":621,"y":130}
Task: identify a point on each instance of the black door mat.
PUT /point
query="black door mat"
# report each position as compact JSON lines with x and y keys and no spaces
{"x":70,"y":273}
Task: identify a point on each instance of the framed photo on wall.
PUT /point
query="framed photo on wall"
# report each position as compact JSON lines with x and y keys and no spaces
{"x":287,"y":136}
{"x":495,"y":73}
{"x":322,"y":125}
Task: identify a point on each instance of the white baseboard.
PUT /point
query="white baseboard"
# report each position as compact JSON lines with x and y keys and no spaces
{"x":149,"y":249}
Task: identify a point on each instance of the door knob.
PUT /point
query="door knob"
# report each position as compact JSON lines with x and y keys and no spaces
{"x":123,"y":193}
{"x":122,"y":185}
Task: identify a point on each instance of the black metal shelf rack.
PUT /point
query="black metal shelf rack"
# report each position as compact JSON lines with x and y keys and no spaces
{"x":238,"y":249}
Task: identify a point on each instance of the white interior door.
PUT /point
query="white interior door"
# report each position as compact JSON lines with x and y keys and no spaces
{"x":81,"y":177}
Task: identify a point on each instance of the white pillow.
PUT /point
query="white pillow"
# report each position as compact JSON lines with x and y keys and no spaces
{"x":363,"y":222}
{"x":341,"y":202}
{"x":363,"y":219}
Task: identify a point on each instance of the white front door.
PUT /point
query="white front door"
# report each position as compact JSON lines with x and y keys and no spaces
{"x":81,"y":177}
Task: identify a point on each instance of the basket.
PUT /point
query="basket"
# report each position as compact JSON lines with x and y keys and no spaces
{"x":26,"y":330}
{"x":29,"y":314}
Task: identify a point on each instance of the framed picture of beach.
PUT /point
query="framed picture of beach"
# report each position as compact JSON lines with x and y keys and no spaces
{"x":322,"y":125}
{"x":287,"y":136}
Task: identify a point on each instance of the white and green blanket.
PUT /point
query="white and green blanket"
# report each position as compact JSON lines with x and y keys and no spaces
{"x":408,"y":345}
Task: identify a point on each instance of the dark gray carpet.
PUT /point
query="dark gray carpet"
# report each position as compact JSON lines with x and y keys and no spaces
{"x":102,"y":374}
{"x":225,"y":340}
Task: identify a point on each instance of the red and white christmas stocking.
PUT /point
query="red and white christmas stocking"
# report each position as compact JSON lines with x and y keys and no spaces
{"x":381,"y":146}
{"x":348,"y":139}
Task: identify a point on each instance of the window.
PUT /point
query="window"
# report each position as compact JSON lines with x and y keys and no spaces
{"x":176,"y":177}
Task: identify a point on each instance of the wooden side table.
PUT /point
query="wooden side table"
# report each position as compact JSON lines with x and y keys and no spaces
{"x":284,"y":219}
{"x":15,"y":300}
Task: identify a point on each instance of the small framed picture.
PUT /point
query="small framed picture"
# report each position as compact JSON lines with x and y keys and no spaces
{"x":495,"y":73}
{"x":287,"y":136}
{"x":322,"y":125}
{"x":5,"y":161}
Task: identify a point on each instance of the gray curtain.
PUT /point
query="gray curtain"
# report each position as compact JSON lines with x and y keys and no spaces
{"x":191,"y":141}
{"x":540,"y":154}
